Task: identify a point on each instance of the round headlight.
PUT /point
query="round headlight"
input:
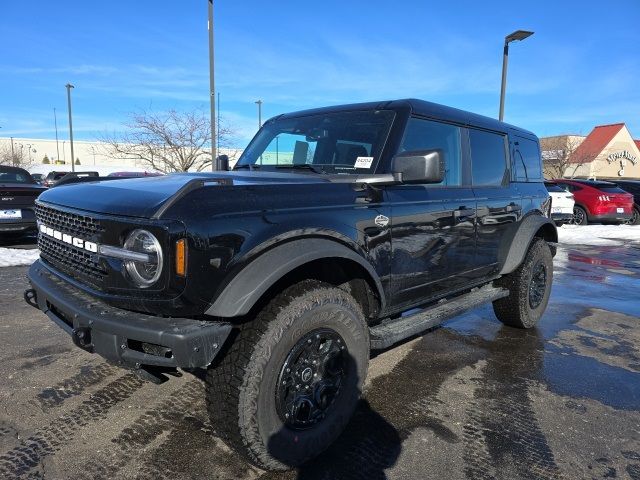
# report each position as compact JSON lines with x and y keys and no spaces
{"x":144,"y":273}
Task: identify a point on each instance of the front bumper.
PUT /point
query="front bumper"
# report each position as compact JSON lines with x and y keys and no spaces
{"x":123,"y":337}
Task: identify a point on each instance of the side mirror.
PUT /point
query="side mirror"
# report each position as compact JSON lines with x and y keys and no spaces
{"x":419,"y":166}
{"x":223,"y":162}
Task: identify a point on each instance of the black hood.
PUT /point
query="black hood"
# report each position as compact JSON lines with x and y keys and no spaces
{"x":148,"y":197}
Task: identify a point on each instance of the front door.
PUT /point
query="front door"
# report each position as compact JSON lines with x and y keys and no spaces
{"x":432,"y":226}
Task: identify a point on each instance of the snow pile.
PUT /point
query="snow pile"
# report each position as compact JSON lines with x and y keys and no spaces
{"x":599,"y":234}
{"x":12,"y":257}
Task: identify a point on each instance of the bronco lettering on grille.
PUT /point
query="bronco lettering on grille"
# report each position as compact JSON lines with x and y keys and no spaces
{"x":63,"y":237}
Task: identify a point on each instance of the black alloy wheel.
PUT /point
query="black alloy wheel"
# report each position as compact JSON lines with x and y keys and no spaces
{"x":537,"y":285}
{"x":311,"y":379}
{"x":579,"y":216}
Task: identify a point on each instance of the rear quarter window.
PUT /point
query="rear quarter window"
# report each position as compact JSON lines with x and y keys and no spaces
{"x":528,"y":165}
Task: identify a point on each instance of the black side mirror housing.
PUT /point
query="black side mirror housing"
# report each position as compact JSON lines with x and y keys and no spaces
{"x":419,"y":166}
{"x":223,"y":162}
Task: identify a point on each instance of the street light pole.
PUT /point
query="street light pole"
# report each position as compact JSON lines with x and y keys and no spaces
{"x":212,"y":92}
{"x":73,"y":163}
{"x":512,"y":37}
{"x":55,"y":120}
{"x":13,"y":155}
{"x":259,"y":103}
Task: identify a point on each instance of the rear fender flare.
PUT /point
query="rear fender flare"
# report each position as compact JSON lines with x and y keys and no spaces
{"x":246,"y":288}
{"x":515,"y":244}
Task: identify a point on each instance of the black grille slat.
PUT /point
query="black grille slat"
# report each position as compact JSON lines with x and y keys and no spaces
{"x":73,"y":261}
{"x":74,"y":224}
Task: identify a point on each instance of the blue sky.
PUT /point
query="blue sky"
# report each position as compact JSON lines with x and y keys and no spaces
{"x":579,"y":69}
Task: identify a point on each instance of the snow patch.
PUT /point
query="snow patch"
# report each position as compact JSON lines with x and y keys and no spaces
{"x":599,"y":234}
{"x":12,"y":257}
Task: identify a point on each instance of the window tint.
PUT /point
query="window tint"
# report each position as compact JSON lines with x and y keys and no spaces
{"x":570,"y":187}
{"x":552,"y":187}
{"x":428,"y":135}
{"x":527,"y":160}
{"x":610,"y":189}
{"x":488,"y":159}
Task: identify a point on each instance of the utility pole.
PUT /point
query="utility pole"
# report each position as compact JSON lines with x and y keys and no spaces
{"x":212,"y":92}
{"x":55,"y":120}
{"x":259,"y":103}
{"x":73,"y":158}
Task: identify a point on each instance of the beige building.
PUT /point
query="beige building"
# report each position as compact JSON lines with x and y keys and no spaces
{"x":609,"y":151}
{"x":91,"y":155}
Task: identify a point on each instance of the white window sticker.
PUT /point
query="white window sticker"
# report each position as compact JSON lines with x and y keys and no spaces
{"x":363,"y":162}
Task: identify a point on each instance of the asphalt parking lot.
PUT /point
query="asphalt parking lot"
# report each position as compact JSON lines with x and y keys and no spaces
{"x":470,"y":400}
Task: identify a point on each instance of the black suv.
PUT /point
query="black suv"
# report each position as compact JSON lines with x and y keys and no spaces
{"x":281,"y":276}
{"x":633,"y":187}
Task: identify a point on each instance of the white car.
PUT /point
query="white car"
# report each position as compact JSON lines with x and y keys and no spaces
{"x":561,"y":203}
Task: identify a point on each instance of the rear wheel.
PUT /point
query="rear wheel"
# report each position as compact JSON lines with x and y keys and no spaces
{"x":635,"y":218}
{"x":529,"y":288}
{"x":292,"y":377}
{"x":579,"y":216}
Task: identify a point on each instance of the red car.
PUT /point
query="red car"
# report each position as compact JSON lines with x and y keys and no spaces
{"x":598,"y":201}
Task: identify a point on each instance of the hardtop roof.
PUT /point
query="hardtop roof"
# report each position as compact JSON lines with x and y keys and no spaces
{"x":423,"y":108}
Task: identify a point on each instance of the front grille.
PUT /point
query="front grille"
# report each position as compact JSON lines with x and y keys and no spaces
{"x":76,"y":263}
{"x":74,"y":224}
{"x":70,"y":260}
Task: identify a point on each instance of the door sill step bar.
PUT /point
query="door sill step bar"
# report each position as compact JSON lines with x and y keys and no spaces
{"x":392,"y":331}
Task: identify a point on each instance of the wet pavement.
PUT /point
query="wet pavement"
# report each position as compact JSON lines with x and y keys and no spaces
{"x":470,"y":400}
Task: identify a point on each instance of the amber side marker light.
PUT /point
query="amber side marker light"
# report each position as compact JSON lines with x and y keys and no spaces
{"x":181,"y":257}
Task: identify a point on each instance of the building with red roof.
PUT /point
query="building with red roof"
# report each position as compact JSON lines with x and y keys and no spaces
{"x":609,"y":151}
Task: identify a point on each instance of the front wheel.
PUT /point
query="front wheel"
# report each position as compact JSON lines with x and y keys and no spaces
{"x":529,"y":288}
{"x":292,"y":378}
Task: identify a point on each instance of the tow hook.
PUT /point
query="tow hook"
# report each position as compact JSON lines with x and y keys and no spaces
{"x":82,"y":337}
{"x":31,"y":297}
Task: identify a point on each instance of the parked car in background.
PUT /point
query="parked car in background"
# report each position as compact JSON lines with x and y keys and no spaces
{"x":598,"y":201}
{"x":18,"y":192}
{"x":134,"y":174}
{"x":38,"y":177}
{"x":54,"y":177}
{"x":562,"y":203}
{"x":633,"y":187}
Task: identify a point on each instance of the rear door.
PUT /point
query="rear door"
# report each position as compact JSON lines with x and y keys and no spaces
{"x":498,"y":203}
{"x":433,"y":225}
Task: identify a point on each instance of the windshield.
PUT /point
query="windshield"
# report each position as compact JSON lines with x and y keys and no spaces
{"x":344,"y":142}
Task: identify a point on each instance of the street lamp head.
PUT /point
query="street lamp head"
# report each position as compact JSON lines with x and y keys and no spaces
{"x":517,"y":35}
{"x":68,"y":85}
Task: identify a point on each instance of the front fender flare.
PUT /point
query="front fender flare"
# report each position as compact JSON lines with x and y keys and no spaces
{"x":246,"y":288}
{"x":515,"y":244}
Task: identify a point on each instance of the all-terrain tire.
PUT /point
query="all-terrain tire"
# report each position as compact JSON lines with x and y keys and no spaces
{"x":241,"y":388}
{"x":526,"y":301}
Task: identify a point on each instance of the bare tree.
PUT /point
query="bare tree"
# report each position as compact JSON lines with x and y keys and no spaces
{"x":561,"y":155}
{"x":168,"y":142}
{"x":14,"y":157}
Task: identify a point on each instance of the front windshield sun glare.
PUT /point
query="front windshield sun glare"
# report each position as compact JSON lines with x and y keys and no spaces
{"x":338,"y":142}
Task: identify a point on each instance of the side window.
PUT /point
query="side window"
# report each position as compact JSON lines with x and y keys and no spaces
{"x":527,"y":160}
{"x":429,"y":135}
{"x":488,"y":157}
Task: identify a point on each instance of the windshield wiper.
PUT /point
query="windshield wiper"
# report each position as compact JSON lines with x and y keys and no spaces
{"x":302,"y":166}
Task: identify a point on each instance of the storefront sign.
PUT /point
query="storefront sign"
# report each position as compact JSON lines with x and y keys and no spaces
{"x":621,"y":156}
